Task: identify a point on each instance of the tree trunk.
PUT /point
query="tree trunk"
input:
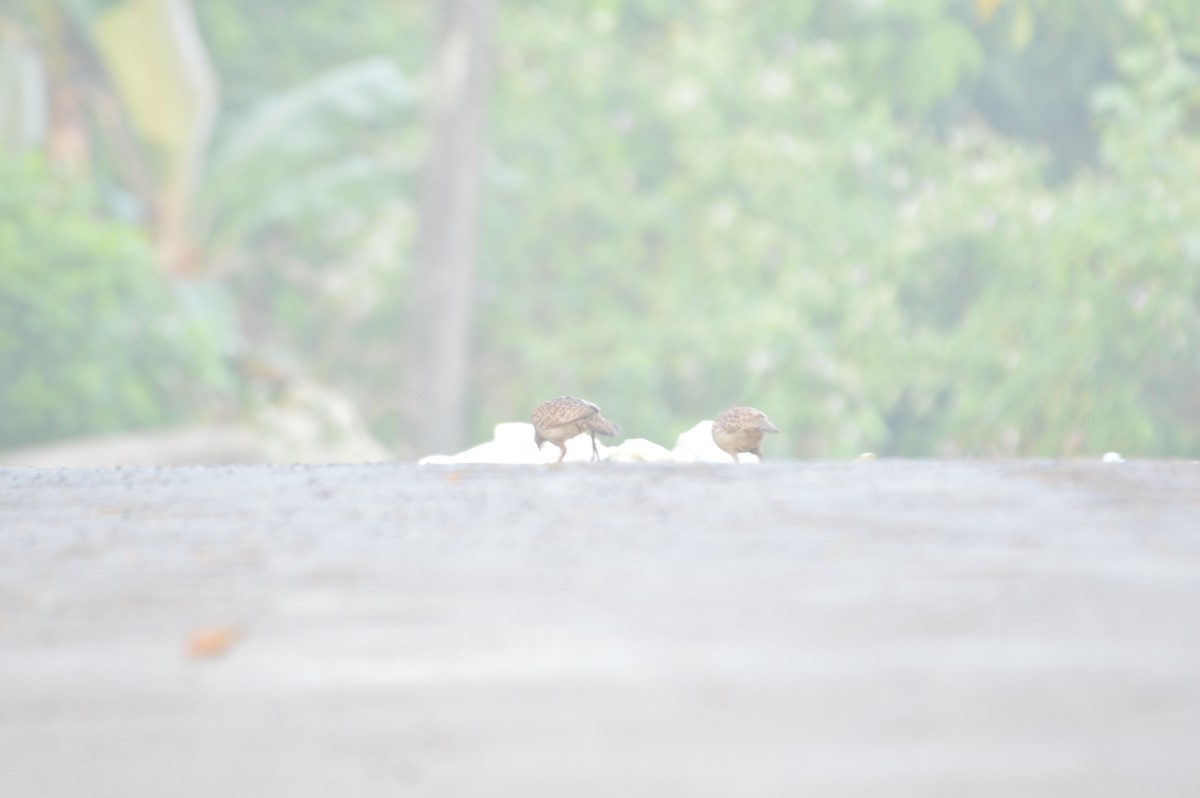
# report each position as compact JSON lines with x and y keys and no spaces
{"x":440,"y":309}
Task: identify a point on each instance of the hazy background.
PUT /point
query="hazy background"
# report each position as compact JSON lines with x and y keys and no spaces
{"x":330,"y":230}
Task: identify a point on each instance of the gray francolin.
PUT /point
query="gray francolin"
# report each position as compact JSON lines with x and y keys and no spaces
{"x":558,"y":420}
{"x":741,"y":429}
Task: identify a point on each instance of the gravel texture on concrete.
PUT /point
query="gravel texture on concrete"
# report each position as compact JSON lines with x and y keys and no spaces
{"x":894,"y":628}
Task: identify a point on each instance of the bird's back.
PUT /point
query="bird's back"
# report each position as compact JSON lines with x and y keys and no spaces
{"x":739,"y":419}
{"x":566,"y":416}
{"x":561,"y":410}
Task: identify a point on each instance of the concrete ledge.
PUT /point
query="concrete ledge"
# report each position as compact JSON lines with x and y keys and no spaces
{"x":986,"y":628}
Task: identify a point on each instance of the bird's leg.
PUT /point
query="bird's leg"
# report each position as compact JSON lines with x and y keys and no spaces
{"x":595,"y":453}
{"x":758,"y":453}
{"x":734,"y":455}
{"x":562,"y":446}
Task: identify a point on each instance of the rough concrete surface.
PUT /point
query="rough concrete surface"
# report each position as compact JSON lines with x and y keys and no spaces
{"x":896,"y":628}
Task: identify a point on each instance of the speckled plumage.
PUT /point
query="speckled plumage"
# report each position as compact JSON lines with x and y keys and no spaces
{"x":741,"y":429}
{"x":558,"y":420}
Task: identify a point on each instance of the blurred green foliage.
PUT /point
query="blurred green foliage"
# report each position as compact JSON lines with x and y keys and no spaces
{"x":267,"y":47}
{"x":308,"y":214}
{"x":93,"y":338}
{"x":738,"y":219}
{"x":940,"y":227}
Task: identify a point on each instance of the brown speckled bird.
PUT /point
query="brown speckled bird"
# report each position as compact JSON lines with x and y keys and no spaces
{"x":559,"y":420}
{"x":740,"y":429}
